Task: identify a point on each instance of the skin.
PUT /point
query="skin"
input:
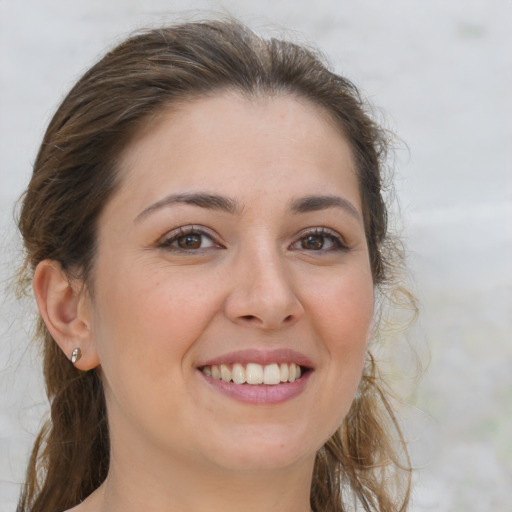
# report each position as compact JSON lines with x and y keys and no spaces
{"x":253,"y":281}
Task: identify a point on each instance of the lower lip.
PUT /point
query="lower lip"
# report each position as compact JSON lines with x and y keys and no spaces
{"x":260,"y":393}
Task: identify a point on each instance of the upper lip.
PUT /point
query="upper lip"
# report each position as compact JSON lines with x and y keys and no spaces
{"x":263,"y":357}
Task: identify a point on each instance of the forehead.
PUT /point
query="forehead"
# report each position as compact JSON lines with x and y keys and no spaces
{"x":228,"y":141}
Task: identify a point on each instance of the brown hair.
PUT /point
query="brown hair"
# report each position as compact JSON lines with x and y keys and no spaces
{"x":75,"y":174}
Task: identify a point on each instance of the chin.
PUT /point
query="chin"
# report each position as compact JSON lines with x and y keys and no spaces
{"x":262,"y":449}
{"x":262,"y":460}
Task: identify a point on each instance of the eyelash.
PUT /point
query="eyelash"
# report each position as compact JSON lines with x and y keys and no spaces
{"x":325,"y":233}
{"x":174,"y":236}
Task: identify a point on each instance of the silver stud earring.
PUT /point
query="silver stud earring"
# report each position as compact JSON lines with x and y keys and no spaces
{"x":76,"y":355}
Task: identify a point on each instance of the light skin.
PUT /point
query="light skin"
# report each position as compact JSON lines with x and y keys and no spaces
{"x":237,"y":226}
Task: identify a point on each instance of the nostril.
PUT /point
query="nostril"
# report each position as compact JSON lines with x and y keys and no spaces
{"x":253,"y":318}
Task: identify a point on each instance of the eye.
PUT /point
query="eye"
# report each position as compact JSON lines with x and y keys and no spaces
{"x":187,"y":239}
{"x":319,"y":239}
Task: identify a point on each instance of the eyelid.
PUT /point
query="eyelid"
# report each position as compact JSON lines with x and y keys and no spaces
{"x":325,"y":232}
{"x":166,"y":241}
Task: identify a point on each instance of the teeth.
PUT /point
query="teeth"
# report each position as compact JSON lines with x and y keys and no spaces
{"x":293,"y":373}
{"x":238,"y":374}
{"x":283,"y":368}
{"x":225,"y":373}
{"x":216,"y":372}
{"x":253,"y":373}
{"x":271,"y":374}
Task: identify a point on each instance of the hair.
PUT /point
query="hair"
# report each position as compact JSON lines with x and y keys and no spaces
{"x":76,"y":172}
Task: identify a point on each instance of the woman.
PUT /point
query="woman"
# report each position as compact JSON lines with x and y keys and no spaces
{"x":207,"y":242}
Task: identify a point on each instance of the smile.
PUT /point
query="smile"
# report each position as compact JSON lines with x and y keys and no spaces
{"x":254,"y":373}
{"x":258,"y":376}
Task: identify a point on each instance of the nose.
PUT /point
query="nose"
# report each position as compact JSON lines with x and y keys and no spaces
{"x":262,"y":293}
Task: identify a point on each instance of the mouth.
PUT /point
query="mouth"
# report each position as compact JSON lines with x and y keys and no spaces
{"x":253,"y":374}
{"x":258,"y":376}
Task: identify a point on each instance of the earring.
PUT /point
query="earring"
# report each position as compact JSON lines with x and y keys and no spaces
{"x":76,"y":355}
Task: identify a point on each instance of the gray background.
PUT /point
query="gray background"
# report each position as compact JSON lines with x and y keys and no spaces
{"x":441,"y":72}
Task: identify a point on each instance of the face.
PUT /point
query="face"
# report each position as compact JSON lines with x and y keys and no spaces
{"x":234,"y":250}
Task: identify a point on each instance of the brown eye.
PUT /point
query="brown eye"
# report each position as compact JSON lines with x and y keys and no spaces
{"x":187,"y":241}
{"x":312,"y":242}
{"x":191,"y":241}
{"x":320,"y":240}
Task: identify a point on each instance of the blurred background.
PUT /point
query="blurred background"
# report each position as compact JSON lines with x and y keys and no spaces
{"x":440,"y":74}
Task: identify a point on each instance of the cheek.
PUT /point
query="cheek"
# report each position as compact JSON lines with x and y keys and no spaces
{"x":343,"y":310}
{"x":150,"y":317}
{"x":146,"y":327}
{"x":343,"y":314}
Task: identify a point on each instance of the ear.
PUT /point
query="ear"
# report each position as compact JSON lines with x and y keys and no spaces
{"x":65,"y":309}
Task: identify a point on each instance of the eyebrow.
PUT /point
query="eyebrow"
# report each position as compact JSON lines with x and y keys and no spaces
{"x":306,"y":204}
{"x":203,"y":200}
{"x":316,"y":203}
